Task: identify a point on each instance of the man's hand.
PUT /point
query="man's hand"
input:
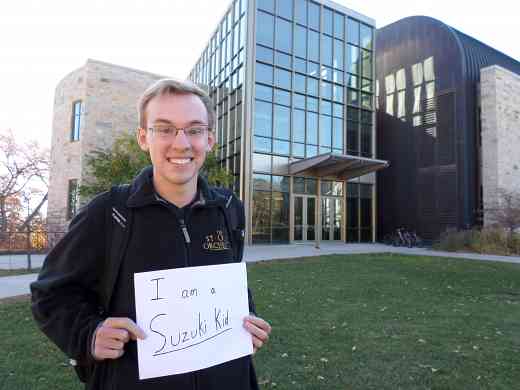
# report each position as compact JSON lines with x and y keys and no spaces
{"x":112,"y":335}
{"x":259,"y":330}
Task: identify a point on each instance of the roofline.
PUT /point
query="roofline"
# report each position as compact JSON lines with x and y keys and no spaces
{"x":92,"y":61}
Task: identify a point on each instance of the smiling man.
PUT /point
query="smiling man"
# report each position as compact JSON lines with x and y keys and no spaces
{"x":84,"y":296}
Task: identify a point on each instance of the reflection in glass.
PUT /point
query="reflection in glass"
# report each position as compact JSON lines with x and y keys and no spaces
{"x":263,"y":118}
{"x":313,"y":69}
{"x":311,"y":150}
{"x":300,"y":10}
{"x":352,"y":59}
{"x":299,"y":101}
{"x":298,"y":126}
{"x":262,"y":144}
{"x":313,"y":46}
{"x":300,"y":41}
{"x":298,"y":218}
{"x":326,"y":50}
{"x":338,"y":54}
{"x":284,"y":8}
{"x":283,"y":59}
{"x":280,"y":217}
{"x":339,"y":25}
{"x":264,"y":54}
{"x":282,"y":78}
{"x":263,"y":92}
{"x":281,"y":147}
{"x":264,"y":73}
{"x":261,"y":220}
{"x":352,"y":97}
{"x":312,"y":104}
{"x":281,"y":165}
{"x":283,"y":35}
{"x":261,"y":162}
{"x":281,"y":183}
{"x":261,"y":182}
{"x":312,"y":86}
{"x":325,"y":130}
{"x":366,"y":37}
{"x":299,"y":83}
{"x":353,"y":31}
{"x":366,"y":100}
{"x":282,"y":122}
{"x":312,"y":128}
{"x":298,"y":150}
{"x":337,"y":133}
{"x":265,"y":29}
{"x":267,"y":5}
{"x":311,"y":218}
{"x":366,"y":63}
{"x":314,"y":15}
{"x":282,"y":97}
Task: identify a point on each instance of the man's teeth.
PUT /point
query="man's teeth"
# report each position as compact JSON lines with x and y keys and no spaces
{"x":179,"y":160}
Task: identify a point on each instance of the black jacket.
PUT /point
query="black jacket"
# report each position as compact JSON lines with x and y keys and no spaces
{"x":69,"y":299}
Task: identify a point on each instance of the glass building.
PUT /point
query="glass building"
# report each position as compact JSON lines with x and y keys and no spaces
{"x":293,"y":86}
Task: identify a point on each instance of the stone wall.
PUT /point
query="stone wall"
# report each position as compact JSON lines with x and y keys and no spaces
{"x":109,"y":94}
{"x":500,"y":119}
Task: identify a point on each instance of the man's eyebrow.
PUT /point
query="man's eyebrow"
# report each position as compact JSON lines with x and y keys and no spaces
{"x":190,"y":123}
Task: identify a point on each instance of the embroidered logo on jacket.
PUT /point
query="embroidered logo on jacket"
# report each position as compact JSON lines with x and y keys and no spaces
{"x":216,"y":242}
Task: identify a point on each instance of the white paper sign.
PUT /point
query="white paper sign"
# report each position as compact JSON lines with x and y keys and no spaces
{"x":193,"y":318}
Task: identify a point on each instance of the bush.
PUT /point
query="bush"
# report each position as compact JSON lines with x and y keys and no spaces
{"x":493,"y":240}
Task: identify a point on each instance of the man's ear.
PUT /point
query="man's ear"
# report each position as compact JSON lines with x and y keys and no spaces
{"x":142,"y":139}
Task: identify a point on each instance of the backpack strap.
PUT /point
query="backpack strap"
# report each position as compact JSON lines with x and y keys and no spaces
{"x":118,"y":228}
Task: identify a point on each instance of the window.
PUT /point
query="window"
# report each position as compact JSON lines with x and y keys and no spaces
{"x":263,"y":119}
{"x":301,"y":11}
{"x":265,"y":29}
{"x":73,"y":195}
{"x":76,"y":120}
{"x":300,"y":41}
{"x":283,"y":35}
{"x":314,"y":16}
{"x":284,"y":8}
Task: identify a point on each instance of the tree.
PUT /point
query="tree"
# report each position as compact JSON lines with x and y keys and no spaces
{"x":119,"y":165}
{"x":505,"y":211}
{"x":24,"y":167}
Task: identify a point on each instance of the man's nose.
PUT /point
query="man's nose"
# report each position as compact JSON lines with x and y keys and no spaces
{"x":181,"y":141}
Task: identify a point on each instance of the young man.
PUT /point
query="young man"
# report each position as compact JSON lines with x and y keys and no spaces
{"x":84,"y":300}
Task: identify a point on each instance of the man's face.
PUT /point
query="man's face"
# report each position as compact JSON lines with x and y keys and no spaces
{"x":177,"y":158}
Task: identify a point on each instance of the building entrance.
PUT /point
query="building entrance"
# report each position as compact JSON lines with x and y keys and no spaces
{"x":304,"y":218}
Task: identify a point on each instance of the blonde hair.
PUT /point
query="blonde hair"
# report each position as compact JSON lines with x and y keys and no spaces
{"x":171,"y":87}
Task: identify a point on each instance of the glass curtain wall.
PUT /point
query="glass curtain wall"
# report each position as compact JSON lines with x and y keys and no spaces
{"x":359,"y":212}
{"x":220,"y":70}
{"x":313,"y":93}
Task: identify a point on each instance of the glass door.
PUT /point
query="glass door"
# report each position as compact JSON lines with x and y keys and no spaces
{"x":331,"y":213}
{"x":304,"y":218}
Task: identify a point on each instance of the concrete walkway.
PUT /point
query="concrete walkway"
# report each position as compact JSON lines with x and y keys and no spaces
{"x":20,"y":261}
{"x":19,"y":285}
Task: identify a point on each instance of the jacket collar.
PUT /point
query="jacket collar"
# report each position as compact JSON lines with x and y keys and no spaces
{"x":142,"y":192}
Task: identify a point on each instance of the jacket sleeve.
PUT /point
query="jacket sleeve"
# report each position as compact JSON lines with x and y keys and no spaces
{"x":66,"y":303}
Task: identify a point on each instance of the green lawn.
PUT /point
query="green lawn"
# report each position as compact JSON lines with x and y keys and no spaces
{"x":346,"y":322}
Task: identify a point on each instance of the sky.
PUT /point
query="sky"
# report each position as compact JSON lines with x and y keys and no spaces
{"x":41,"y":41}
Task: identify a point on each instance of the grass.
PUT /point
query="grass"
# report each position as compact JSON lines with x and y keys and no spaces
{"x":346,"y":322}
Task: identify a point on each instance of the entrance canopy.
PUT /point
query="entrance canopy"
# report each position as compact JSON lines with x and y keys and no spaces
{"x":337,"y":166}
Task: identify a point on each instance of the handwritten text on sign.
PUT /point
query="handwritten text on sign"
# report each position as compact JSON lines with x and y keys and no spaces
{"x":193,"y":318}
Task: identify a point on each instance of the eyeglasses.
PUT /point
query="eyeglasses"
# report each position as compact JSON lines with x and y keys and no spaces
{"x":170,"y":132}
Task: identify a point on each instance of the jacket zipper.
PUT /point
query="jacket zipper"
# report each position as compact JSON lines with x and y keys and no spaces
{"x":187,"y":241}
